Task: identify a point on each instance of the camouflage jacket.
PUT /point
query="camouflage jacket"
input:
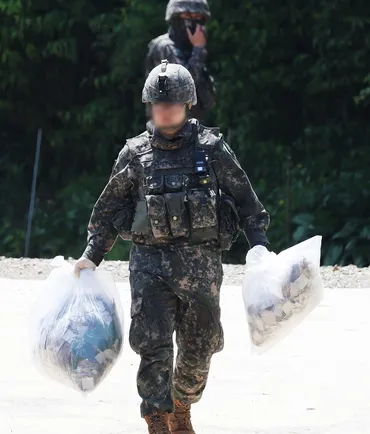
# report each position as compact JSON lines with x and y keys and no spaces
{"x":136,"y":161}
{"x":164,"y":47}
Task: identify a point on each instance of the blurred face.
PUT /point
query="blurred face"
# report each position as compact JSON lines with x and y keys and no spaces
{"x":167,"y":117}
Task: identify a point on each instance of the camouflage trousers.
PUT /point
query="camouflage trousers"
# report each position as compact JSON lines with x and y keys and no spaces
{"x":174,"y":290}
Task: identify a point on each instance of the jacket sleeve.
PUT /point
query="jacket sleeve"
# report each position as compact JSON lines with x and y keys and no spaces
{"x":124,"y":157}
{"x":233,"y":181}
{"x":101,"y":231}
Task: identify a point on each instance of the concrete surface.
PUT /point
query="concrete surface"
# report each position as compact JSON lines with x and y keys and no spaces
{"x":317,"y":381}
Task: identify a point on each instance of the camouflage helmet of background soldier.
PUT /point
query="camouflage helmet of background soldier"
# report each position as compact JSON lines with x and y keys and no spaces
{"x":171,"y":83}
{"x":177,"y":7}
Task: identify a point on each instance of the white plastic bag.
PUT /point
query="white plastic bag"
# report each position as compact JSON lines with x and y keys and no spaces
{"x":77,"y":327}
{"x":279,"y":291}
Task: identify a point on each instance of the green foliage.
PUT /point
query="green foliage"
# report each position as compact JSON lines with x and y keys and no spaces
{"x":293,"y":83}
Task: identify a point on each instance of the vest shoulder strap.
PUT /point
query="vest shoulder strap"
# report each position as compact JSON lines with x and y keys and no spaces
{"x":208,"y":138}
{"x":139,"y":145}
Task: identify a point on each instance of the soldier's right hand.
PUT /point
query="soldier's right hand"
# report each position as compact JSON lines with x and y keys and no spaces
{"x":199,"y":39}
{"x":82,"y":264}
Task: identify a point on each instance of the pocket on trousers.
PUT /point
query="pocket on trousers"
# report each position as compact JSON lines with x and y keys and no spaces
{"x":157,"y":213}
{"x":136,"y":295}
{"x":221,"y":341}
{"x":202,"y":208}
{"x":175,"y":203}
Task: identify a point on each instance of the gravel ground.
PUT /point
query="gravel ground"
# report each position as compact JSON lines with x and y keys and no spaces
{"x":38,"y":269}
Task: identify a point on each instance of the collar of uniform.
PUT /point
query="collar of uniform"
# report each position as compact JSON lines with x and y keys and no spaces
{"x":181,"y":138}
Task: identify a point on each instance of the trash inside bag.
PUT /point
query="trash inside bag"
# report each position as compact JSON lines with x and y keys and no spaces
{"x":77,"y":327}
{"x":279,"y":291}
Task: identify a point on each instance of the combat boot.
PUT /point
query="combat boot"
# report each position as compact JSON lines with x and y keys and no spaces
{"x":180,"y":421}
{"x":158,"y":423}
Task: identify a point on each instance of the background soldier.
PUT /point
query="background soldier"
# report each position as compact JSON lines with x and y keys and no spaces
{"x":190,"y":197}
{"x":185,"y":44}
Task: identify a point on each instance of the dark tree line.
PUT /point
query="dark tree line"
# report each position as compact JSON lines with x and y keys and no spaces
{"x":293,"y":82}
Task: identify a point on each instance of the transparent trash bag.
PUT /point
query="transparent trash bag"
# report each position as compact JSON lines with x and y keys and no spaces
{"x":279,"y":291}
{"x":77,"y":327}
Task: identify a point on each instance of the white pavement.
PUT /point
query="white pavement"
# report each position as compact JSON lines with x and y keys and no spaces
{"x":317,"y":381}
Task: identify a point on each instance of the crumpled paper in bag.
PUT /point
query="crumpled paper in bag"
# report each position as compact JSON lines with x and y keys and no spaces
{"x":280,"y":291}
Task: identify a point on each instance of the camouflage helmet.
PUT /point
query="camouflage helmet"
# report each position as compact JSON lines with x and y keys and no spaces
{"x":176,"y":7}
{"x":169,"y":82}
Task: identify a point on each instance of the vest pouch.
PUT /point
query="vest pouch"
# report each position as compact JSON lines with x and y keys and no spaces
{"x":175,"y":203}
{"x":157,"y":214}
{"x":228,"y":222}
{"x":173,"y":183}
{"x":202,"y":208}
{"x":155,"y":184}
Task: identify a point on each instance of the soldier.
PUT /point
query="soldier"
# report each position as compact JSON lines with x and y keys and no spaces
{"x":185,"y":44}
{"x":190,"y":197}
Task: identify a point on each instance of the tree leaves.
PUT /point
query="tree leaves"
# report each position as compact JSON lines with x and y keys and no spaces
{"x":293,"y":92}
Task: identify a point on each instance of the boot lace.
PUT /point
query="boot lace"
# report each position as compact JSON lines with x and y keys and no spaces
{"x":158,"y":424}
{"x":183,"y":417}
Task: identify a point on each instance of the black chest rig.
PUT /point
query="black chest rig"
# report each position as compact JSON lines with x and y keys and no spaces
{"x":178,"y":196}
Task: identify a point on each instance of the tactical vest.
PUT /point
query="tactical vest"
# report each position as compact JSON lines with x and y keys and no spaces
{"x":178,"y":197}
{"x":178,"y":192}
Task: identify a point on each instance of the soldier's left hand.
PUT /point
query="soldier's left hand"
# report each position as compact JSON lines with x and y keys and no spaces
{"x":199,"y":38}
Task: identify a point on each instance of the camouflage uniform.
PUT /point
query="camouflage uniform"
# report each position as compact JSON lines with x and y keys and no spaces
{"x":179,"y":200}
{"x":175,"y":284}
{"x":176,"y":48}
